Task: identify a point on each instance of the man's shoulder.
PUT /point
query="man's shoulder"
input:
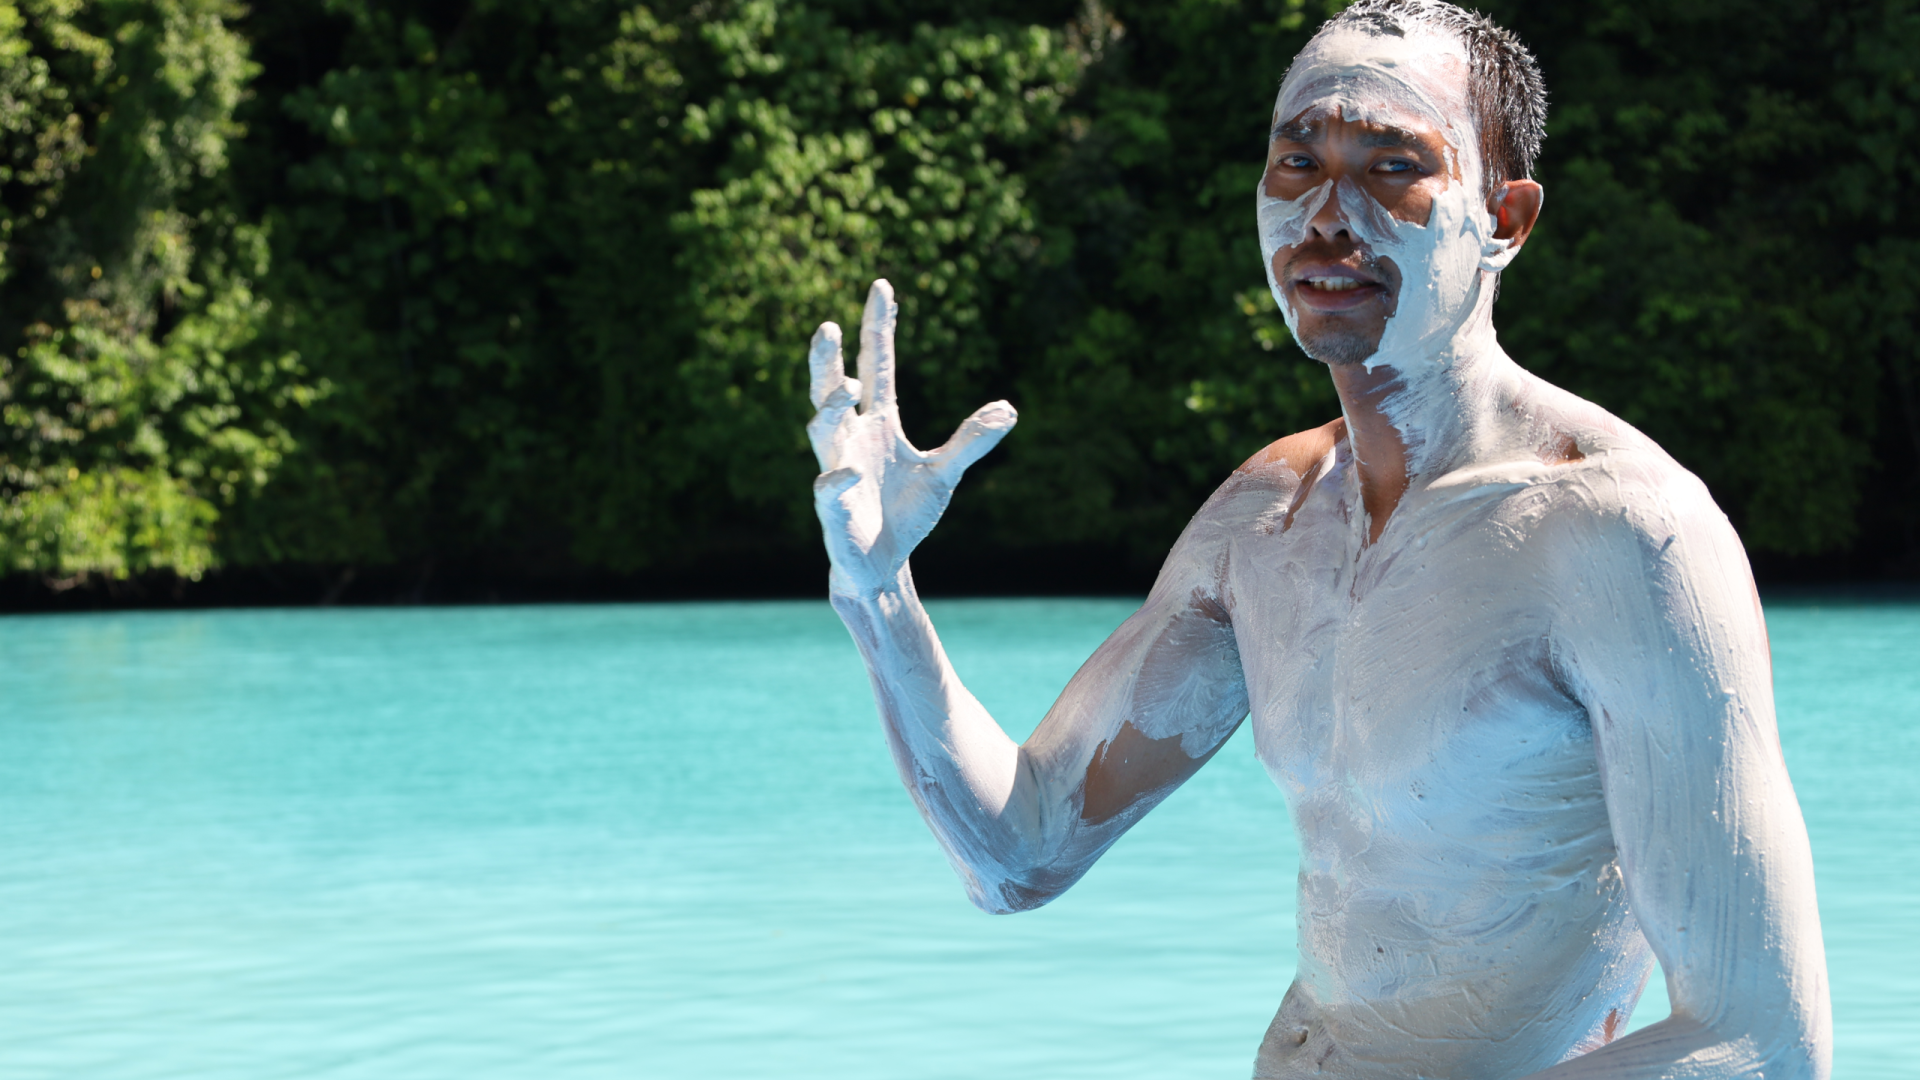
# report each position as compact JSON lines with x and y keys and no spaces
{"x":1273,"y":480}
{"x":1618,"y":487}
{"x":1611,"y":467}
{"x":1300,"y":453}
{"x":1261,"y":493}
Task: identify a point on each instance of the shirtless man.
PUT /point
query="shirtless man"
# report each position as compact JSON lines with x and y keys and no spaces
{"x":1503,"y":654}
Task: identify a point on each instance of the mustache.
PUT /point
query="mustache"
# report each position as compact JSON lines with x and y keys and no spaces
{"x":1352,"y":255}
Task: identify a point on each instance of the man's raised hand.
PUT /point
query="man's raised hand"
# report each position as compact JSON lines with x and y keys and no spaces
{"x":877,"y":495}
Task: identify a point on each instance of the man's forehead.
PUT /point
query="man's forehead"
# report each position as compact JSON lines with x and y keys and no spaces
{"x":1396,"y":79}
{"x":1311,"y":126}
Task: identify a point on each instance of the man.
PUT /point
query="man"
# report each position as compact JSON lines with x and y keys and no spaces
{"x":1503,"y":655}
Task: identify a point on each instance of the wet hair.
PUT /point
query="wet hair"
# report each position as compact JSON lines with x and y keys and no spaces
{"x":1507,"y":94}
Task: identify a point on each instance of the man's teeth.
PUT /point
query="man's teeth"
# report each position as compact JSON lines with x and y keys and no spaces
{"x":1334,"y":284}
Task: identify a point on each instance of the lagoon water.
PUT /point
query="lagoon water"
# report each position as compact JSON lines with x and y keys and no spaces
{"x":666,"y":842}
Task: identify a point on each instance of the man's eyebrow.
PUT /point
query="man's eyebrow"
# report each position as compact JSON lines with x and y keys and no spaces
{"x":1388,"y":135}
{"x":1306,"y":131}
{"x":1297,"y":130}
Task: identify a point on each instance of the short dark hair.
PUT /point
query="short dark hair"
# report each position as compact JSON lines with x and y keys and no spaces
{"x":1508,"y":96}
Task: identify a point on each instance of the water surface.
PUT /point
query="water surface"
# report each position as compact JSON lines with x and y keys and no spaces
{"x":667,"y":842}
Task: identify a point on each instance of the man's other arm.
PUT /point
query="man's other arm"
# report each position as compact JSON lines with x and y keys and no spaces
{"x":1019,"y":823}
{"x":1661,"y":636}
{"x":1023,"y":822}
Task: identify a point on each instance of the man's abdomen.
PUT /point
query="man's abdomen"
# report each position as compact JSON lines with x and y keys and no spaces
{"x":1460,"y":909}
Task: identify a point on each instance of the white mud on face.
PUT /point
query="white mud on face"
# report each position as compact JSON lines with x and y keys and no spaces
{"x":1443,"y":314}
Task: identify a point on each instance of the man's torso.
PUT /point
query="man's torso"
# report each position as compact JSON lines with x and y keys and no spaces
{"x":1458,"y":887}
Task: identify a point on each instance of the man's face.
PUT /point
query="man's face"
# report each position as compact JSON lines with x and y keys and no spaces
{"x":1341,"y":292}
{"x":1370,"y":211}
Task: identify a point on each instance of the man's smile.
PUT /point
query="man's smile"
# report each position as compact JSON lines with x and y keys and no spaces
{"x":1334,"y":287}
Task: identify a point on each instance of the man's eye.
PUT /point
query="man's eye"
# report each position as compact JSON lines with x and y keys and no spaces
{"x":1395,"y":165}
{"x":1295,"y":161}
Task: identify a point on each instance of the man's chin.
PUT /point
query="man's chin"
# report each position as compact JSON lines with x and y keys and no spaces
{"x":1338,"y":330}
{"x":1339,"y":347}
{"x":1342,"y":353}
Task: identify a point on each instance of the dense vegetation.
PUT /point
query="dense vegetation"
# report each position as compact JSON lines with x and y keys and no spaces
{"x":524,"y":286}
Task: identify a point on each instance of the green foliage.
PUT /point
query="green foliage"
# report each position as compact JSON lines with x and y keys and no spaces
{"x":1728,"y":250}
{"x":131,"y":404}
{"x":851,"y":157}
{"x":560,"y":261}
{"x":543,"y":271}
{"x":411,"y":240}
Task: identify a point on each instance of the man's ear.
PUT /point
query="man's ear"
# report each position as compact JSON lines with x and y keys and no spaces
{"x":1515,"y":206}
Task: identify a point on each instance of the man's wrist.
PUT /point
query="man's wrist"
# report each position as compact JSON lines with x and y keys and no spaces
{"x":842,"y":586}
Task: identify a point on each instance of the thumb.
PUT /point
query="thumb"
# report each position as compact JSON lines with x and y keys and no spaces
{"x":828,"y":488}
{"x":978,"y":434}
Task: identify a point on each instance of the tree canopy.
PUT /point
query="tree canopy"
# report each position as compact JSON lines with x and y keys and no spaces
{"x":526,"y":285}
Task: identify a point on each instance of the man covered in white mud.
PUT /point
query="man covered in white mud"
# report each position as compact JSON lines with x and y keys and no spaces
{"x":1503,"y":654}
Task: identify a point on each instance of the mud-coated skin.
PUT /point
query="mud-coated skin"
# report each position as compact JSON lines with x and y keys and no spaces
{"x":1527,"y":731}
{"x":1532,"y":720}
{"x":1521,"y":710}
{"x":1460,"y":903}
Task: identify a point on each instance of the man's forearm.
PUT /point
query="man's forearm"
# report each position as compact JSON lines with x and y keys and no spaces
{"x":1681,"y":1047}
{"x":961,"y":768}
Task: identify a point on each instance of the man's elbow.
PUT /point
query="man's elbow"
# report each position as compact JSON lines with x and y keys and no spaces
{"x":1009,"y":897}
{"x":1786,"y":1052}
{"x":1784,"y":1043}
{"x":1006,"y":893}
{"x":1794,"y":1048}
{"x":1811,"y":1060}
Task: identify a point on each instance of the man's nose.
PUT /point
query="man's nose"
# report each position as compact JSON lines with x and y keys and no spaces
{"x":1329,"y":223}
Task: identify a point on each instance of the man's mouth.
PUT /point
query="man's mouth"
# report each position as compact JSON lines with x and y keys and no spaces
{"x":1336,"y":288}
{"x":1333,"y":284}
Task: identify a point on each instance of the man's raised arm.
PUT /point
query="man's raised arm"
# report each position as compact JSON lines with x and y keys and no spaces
{"x":1660,"y":635}
{"x":1020,"y":823}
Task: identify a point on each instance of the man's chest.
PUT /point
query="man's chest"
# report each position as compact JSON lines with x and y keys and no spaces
{"x":1414,"y":674}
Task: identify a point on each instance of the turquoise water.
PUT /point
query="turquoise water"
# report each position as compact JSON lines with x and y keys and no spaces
{"x":667,"y":842}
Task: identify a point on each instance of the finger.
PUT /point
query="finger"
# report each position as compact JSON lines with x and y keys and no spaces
{"x":834,"y":483}
{"x":836,"y":519}
{"x":824,"y":365}
{"x":837,"y":530}
{"x":876,"y":347}
{"x":826,"y":428}
{"x":978,"y":434}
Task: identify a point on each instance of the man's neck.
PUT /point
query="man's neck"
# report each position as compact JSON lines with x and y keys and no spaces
{"x":1411,"y":418}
